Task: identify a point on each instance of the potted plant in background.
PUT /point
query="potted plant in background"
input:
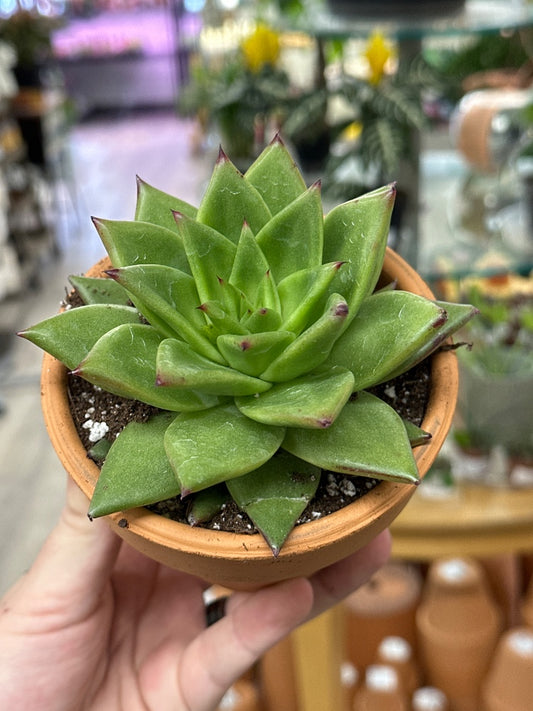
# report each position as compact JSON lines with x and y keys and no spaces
{"x":385,"y":108}
{"x":257,"y":329}
{"x":240,"y":94}
{"x":497,"y":372}
{"x":30,"y":34}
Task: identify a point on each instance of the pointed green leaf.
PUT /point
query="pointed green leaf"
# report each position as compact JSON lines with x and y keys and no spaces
{"x":210,"y":256}
{"x":417,"y":436}
{"x":262,"y":320}
{"x":98,"y":452}
{"x":156,"y":206}
{"x":70,"y":335}
{"x":123,"y":361}
{"x":234,"y":301}
{"x":293,"y":238}
{"x":356,"y":232}
{"x":173,"y":287}
{"x":94,"y":290}
{"x":312,"y":347}
{"x":253,"y":353}
{"x":310,"y":401}
{"x":197,"y":445}
{"x":136,"y":471}
{"x":368,"y":438}
{"x":169,"y":300}
{"x":458,"y":316}
{"x":221,"y":321}
{"x":267,"y":293}
{"x":275,"y":495}
{"x":303,"y":295}
{"x":130,"y":242}
{"x":207,"y":503}
{"x":246,"y":204}
{"x":249,"y":266}
{"x":276,"y":176}
{"x":178,"y":365}
{"x":390,"y":327}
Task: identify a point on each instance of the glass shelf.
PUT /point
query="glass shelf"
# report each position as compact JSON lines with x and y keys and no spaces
{"x":476,"y":16}
{"x":471,"y":224}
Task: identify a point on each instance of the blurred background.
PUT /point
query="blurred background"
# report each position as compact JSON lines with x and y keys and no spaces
{"x":436,"y":96}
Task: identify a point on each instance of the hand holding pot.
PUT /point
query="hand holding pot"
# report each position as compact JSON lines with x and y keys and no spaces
{"x":94,"y":624}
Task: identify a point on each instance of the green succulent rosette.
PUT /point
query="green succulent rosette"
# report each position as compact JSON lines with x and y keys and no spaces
{"x":253,"y":324}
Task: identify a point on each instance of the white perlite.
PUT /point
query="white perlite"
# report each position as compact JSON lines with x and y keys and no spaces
{"x":98,"y":430}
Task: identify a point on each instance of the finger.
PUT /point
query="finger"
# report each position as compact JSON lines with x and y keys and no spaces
{"x":334,"y":583}
{"x":253,"y":623}
{"x":72,"y":567}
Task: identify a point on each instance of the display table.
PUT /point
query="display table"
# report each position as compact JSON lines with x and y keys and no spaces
{"x":474,"y":520}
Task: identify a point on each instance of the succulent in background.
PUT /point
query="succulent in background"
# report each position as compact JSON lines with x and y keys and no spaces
{"x":497,"y":372}
{"x":256,"y":330}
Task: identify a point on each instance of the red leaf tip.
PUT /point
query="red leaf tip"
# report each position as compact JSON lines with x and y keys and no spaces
{"x":222,"y":157}
{"x":342,"y":310}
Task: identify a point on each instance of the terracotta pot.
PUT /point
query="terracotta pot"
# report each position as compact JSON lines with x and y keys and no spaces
{"x":526,"y":607}
{"x":244,"y":561}
{"x":475,"y":127}
{"x":242,"y":696}
{"x":397,"y":653}
{"x":386,"y":606}
{"x":459,"y":625}
{"x":277,"y":678}
{"x":428,"y":698}
{"x":509,"y":683}
{"x":381,"y":691}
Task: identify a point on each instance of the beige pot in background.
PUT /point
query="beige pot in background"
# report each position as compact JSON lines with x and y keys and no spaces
{"x":526,"y":608}
{"x":243,"y":561}
{"x":509,"y":683}
{"x":479,"y":126}
{"x":458,"y":626}
{"x":242,"y":696}
{"x":385,"y":606}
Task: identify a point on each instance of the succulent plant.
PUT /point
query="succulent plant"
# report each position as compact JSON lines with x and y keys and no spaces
{"x":256,"y":330}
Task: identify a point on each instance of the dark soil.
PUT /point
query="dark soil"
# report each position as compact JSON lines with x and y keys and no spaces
{"x":408,"y":395}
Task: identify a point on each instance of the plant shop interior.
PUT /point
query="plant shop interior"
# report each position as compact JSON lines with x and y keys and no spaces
{"x":434,"y":96}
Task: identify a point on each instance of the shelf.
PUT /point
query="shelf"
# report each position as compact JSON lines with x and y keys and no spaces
{"x":477,"y":16}
{"x":474,"y":520}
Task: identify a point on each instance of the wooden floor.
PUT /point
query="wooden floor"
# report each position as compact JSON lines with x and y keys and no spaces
{"x":104,"y":157}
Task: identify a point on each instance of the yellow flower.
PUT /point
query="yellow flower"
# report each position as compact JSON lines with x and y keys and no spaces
{"x":378,"y":52}
{"x":352,"y":131}
{"x":260,"y":48}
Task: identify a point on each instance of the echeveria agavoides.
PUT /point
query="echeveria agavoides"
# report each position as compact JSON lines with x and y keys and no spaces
{"x":256,"y":330}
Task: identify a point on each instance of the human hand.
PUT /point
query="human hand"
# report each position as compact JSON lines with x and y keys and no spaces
{"x":96,"y":626}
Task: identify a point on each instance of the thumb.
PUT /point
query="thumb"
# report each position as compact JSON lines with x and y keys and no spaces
{"x":73,"y":566}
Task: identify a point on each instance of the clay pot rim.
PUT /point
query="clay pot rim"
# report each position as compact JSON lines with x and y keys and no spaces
{"x":363,"y":519}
